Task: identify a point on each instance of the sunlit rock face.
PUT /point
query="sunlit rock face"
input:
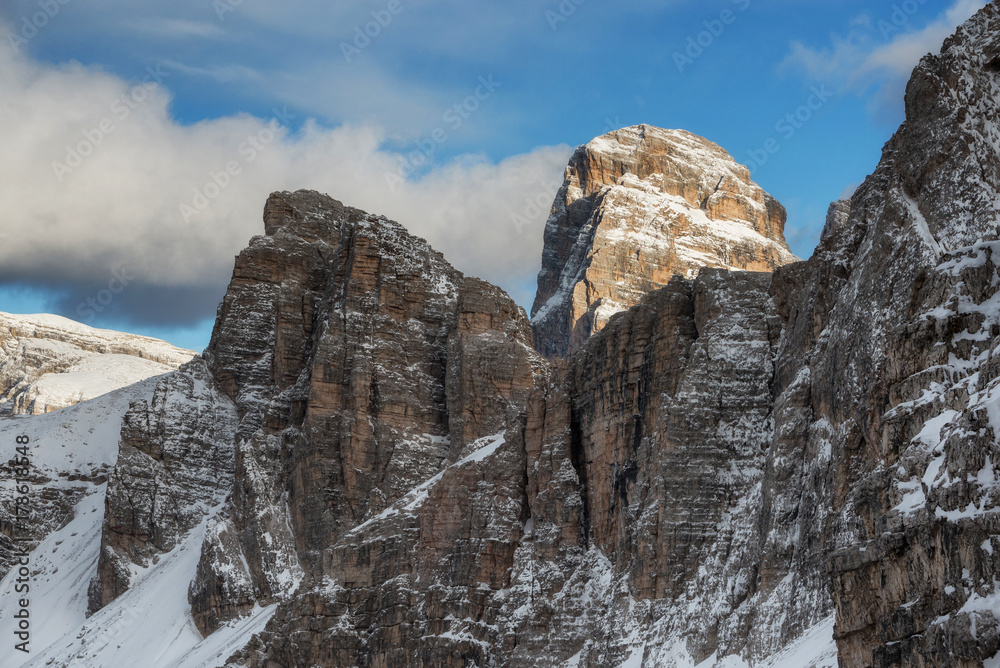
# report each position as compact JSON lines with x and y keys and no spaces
{"x":637,"y":207}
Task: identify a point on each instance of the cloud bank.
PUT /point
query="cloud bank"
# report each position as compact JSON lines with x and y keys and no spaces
{"x":98,"y":178}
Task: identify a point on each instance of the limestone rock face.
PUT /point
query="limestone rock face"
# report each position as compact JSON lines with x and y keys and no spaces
{"x":374,"y":367}
{"x":836,"y":217}
{"x":175,"y":462}
{"x":902,"y":309}
{"x":637,"y":207}
{"x":350,"y":364}
{"x":660,"y":486}
{"x":739,"y":459}
{"x":48,"y":362}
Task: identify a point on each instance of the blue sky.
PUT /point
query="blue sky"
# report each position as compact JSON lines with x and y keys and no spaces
{"x":163,"y":95}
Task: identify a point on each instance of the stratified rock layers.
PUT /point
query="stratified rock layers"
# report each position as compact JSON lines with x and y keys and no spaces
{"x":732,"y":460}
{"x":900,"y":313}
{"x":637,"y":207}
{"x":349,"y":364}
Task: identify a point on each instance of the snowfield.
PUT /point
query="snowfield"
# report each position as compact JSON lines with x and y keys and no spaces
{"x":48,"y":362}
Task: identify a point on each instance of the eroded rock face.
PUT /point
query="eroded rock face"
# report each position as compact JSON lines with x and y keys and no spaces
{"x":349,"y":364}
{"x":901,"y":304}
{"x":659,"y":500}
{"x":733,"y":460}
{"x":637,"y":207}
{"x":419,"y":585}
{"x":836,"y":216}
{"x":646,"y":502}
{"x":175,"y":463}
{"x":374,"y":366}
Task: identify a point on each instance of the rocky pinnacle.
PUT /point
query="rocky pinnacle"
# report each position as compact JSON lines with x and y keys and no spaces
{"x":638,"y":206}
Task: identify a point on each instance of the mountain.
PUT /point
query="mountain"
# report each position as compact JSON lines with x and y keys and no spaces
{"x":48,"y":362}
{"x":638,"y":206}
{"x":373,"y":466}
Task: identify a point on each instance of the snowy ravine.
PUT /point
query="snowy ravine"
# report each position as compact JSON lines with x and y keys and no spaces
{"x":73,"y":451}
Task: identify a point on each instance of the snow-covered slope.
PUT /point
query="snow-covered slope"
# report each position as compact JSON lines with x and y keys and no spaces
{"x":149,"y":626}
{"x":49,"y":362}
{"x":70,"y":454}
{"x":815,"y":648}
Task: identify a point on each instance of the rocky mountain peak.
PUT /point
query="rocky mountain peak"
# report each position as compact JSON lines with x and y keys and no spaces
{"x":638,"y":206}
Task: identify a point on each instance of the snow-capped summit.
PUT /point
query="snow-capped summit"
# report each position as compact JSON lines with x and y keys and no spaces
{"x":638,"y":206}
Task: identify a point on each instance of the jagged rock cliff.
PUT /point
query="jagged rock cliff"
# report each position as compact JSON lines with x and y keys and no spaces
{"x":836,"y":216}
{"x":900,"y":311}
{"x":660,"y":435}
{"x":175,"y":464}
{"x":736,"y":458}
{"x":374,"y":366}
{"x":378,"y":366}
{"x":636,"y":503}
{"x":638,"y":206}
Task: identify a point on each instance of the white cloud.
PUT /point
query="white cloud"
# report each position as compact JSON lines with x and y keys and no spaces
{"x":899,"y":56}
{"x":122,"y":205}
{"x":879,"y":50}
